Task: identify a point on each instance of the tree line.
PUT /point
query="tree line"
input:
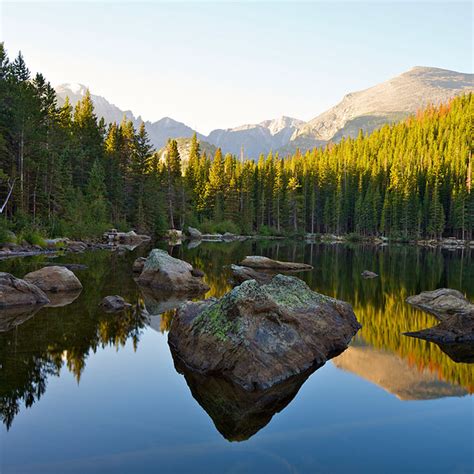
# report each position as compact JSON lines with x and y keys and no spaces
{"x":63,"y":171}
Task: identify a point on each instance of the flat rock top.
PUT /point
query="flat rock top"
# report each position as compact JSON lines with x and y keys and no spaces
{"x":161,"y":260}
{"x":257,"y":261}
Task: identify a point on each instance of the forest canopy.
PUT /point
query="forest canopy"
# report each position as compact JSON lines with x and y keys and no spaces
{"x":65,"y":172}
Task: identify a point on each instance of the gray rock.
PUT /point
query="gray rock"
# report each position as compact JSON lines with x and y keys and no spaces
{"x":161,"y":271}
{"x":55,"y":279}
{"x":138,"y":265}
{"x":241,"y":274}
{"x":368,"y":274}
{"x":17,"y":292}
{"x":114,"y":303}
{"x":194,"y":233}
{"x":259,"y":335}
{"x":442,"y":302}
{"x":256,"y":261}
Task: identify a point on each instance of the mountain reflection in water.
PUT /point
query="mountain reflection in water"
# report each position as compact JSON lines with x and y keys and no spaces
{"x":38,"y":344}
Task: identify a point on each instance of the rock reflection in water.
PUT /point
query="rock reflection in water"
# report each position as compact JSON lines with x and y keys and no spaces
{"x":13,"y":317}
{"x":239,"y":414}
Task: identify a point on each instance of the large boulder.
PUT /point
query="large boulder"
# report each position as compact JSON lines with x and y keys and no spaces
{"x":163,"y":272}
{"x":17,"y":292}
{"x":265,"y":263}
{"x":442,"y":302}
{"x":55,"y":279}
{"x":259,"y":335}
{"x":194,"y":233}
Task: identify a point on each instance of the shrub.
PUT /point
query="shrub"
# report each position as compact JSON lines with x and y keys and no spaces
{"x":33,"y":237}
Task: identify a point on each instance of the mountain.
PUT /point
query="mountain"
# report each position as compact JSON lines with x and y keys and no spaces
{"x":184,"y":147}
{"x":159,"y":131}
{"x":256,"y":138}
{"x":368,"y":109}
{"x":387,"y":102}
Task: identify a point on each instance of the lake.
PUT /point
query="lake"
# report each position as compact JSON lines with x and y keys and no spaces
{"x":82,"y":391}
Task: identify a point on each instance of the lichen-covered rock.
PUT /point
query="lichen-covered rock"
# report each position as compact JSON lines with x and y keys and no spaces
{"x":164,"y":272}
{"x":259,"y":335}
{"x":138,"y":265}
{"x":442,"y":302}
{"x":265,"y":263}
{"x":114,"y":303}
{"x":368,"y":274}
{"x":17,"y":292}
{"x":55,"y":279}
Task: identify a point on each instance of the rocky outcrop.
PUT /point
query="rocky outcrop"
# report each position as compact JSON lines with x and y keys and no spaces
{"x":17,"y":292}
{"x":442,"y":302}
{"x":163,"y":272}
{"x":130,"y":238}
{"x":194,"y":233}
{"x":455,"y":332}
{"x":55,"y":279}
{"x":138,"y":265}
{"x":259,"y":335}
{"x":241,"y":274}
{"x":265,"y":263}
{"x":368,"y":274}
{"x":114,"y":303}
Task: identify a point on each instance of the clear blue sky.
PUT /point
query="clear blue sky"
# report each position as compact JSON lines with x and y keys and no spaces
{"x":224,"y":64}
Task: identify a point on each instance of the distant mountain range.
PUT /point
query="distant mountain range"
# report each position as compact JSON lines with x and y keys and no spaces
{"x":368,"y":109}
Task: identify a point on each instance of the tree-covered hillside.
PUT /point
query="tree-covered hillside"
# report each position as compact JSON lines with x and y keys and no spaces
{"x":70,"y":174}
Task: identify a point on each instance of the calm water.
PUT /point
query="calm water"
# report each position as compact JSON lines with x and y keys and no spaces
{"x":82,"y":391}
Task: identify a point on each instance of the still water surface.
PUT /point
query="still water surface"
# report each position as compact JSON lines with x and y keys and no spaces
{"x":82,"y":391}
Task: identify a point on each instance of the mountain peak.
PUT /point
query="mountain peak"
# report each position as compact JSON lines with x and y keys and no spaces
{"x":74,"y":87}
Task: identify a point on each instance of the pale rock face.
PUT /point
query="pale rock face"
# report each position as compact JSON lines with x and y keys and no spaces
{"x":54,"y":279}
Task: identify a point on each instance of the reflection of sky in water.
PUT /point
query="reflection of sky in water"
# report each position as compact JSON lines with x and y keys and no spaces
{"x":132,"y":412}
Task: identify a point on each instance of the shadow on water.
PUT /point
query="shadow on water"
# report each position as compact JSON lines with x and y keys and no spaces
{"x":36,"y":345}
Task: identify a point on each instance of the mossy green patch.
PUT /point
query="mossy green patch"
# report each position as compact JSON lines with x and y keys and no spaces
{"x":213,"y":320}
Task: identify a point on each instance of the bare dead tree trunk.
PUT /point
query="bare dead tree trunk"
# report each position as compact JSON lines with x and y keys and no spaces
{"x":11,"y":185}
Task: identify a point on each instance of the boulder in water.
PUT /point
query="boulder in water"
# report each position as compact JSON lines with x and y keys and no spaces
{"x":17,"y":292}
{"x":194,"y":233}
{"x":114,"y":303}
{"x":55,"y":279}
{"x":259,"y":335}
{"x":265,"y":263}
{"x":163,"y":272}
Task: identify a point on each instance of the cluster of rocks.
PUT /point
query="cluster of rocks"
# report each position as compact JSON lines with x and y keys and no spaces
{"x":52,"y":286}
{"x":455,"y":313}
{"x":114,"y":237}
{"x":450,"y":243}
{"x":195,"y":234}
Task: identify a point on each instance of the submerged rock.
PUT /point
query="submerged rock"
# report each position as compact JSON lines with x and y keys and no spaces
{"x":17,"y":292}
{"x":256,"y":261}
{"x":368,"y":274}
{"x":259,"y":335}
{"x":442,"y":302}
{"x":114,"y":303}
{"x":65,"y":298}
{"x":164,"y":272}
{"x":55,"y":279}
{"x":241,"y":274}
{"x":12,"y":317}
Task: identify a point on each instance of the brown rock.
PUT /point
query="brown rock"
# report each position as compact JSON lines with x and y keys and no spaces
{"x":17,"y":292}
{"x":55,"y":279}
{"x":259,"y":335}
{"x":161,"y":271}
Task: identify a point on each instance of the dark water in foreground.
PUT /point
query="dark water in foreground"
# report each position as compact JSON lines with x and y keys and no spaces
{"x":83,"y":391}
